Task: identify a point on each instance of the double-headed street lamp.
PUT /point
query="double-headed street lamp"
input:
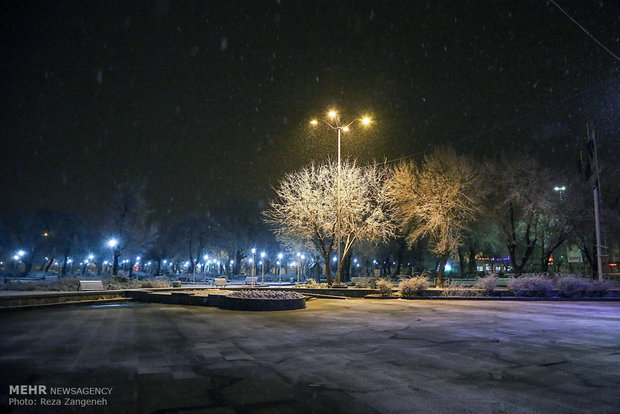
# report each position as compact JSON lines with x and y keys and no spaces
{"x":560,"y":189}
{"x":333,"y":121}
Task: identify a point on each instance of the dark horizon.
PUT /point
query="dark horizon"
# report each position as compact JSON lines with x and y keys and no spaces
{"x":211,"y":103}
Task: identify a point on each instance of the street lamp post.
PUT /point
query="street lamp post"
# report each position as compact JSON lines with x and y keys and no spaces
{"x":280,"y":268}
{"x":335,"y":124}
{"x":560,"y":189}
{"x":253,"y":265}
{"x":262,"y":267}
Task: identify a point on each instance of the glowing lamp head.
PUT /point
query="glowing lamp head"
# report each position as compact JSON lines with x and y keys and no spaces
{"x":332,"y":114}
{"x":345,"y":129}
{"x":366,"y":121}
{"x":112,"y":243}
{"x":314,"y":122}
{"x":253,"y":251}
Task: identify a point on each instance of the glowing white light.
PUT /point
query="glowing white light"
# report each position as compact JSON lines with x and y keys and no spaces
{"x":280,"y":256}
{"x":253,"y":250}
{"x":91,"y":256}
{"x":447,"y":267}
{"x":112,"y":243}
{"x":21,"y":253}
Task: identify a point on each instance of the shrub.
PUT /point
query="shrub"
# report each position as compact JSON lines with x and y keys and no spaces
{"x":461,"y":291}
{"x":155,"y":283}
{"x":265,"y":294}
{"x":487,"y":284}
{"x":538,"y":286}
{"x":384,"y":286}
{"x":414,"y":286}
{"x":64,"y":284}
{"x":311,"y":283}
{"x":572,"y":286}
{"x":600,"y":289}
{"x":363,"y":282}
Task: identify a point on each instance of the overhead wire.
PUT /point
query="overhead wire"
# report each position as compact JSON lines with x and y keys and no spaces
{"x":584,"y":30}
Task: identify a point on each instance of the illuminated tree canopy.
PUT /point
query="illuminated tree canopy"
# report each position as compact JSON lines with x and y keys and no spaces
{"x":306,"y":207}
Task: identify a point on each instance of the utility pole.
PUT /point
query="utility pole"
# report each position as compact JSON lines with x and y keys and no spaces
{"x":597,"y":221}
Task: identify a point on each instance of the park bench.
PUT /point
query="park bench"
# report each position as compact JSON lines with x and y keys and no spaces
{"x":249,"y":280}
{"x":91,"y":285}
{"x":219,"y":281}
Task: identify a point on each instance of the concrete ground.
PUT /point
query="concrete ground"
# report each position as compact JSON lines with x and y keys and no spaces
{"x":349,"y":356}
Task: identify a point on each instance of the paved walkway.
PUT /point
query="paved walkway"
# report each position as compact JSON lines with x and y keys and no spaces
{"x":350,"y":356}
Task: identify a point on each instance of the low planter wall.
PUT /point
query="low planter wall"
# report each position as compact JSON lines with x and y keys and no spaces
{"x":220,"y":300}
{"x":244,"y":304}
{"x":56,"y":298}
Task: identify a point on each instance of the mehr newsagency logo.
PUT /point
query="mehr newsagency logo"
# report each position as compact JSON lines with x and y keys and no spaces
{"x":43,"y":395}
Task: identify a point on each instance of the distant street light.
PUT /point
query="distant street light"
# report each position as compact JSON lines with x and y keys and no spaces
{"x":560,"y":190}
{"x":334,"y":123}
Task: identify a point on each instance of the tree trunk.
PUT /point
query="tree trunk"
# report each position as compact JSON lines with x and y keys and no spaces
{"x":63,"y":271}
{"x":440,"y":273}
{"x":117,"y":253}
{"x":461,"y":263}
{"x":49,"y":264}
{"x":27,"y":267}
{"x":472,"y":261}
{"x":328,"y":269}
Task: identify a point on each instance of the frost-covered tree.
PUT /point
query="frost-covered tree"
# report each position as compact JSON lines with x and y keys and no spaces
{"x":437,"y":200}
{"x":306,"y":208}
{"x":519,"y":204}
{"x":128,"y":221}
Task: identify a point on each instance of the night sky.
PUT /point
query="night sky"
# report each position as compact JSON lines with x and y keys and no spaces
{"x":209,"y":101}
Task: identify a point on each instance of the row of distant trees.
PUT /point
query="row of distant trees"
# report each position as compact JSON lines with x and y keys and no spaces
{"x":49,"y":238}
{"x":456,"y":207}
{"x":416,"y":213}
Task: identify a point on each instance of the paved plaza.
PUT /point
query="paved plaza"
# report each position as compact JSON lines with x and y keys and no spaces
{"x":349,"y":356}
